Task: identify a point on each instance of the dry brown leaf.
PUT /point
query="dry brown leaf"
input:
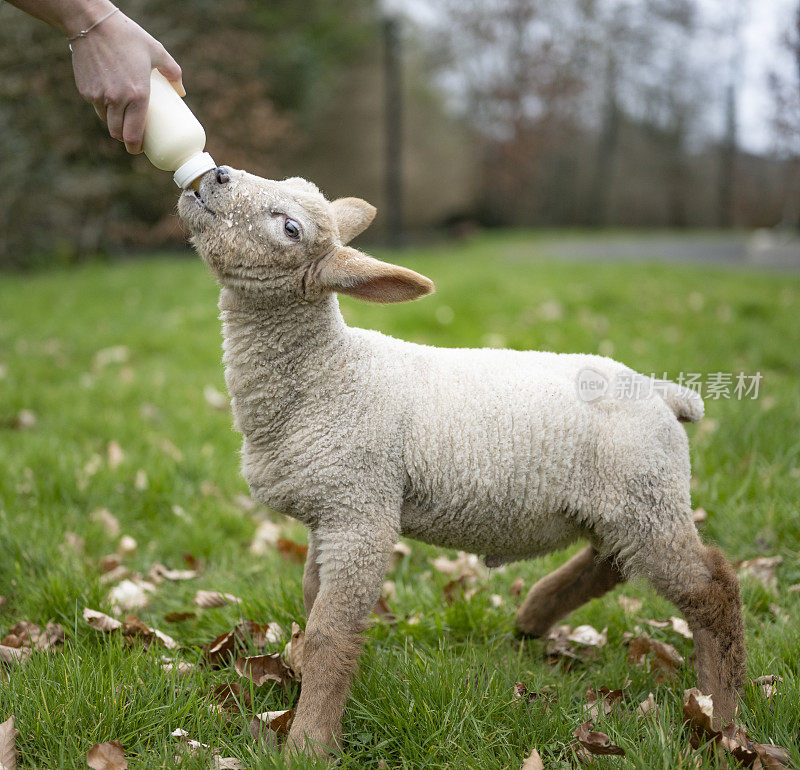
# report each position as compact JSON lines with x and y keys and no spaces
{"x":399,"y":552}
{"x":261,"y":669}
{"x":8,"y":751}
{"x":793,"y":589}
{"x":678,"y":625}
{"x":648,"y":706}
{"x":229,"y":699}
{"x":218,"y":652}
{"x":107,"y":756}
{"x":596,"y":742}
{"x":277,"y":721}
{"x":110,"y":562}
{"x":293,"y":651}
{"x":24,"y":420}
{"x":13,"y":655}
{"x":604,"y":700}
{"x":227,"y":763}
{"x":115,"y":575}
{"x":181,"y":667}
{"x":533,"y":761}
{"x":130,"y":594}
{"x":763,"y":570}
{"x":115,"y":454}
{"x":517,"y":587}
{"x":211,"y":599}
{"x":291,"y":551}
{"x":257,"y":634}
{"x":589,"y":636}
{"x":99,"y":621}
{"x":383,"y":611}
{"x":465,"y":565}
{"x":52,"y":635}
{"x":189,"y":743}
{"x":665,"y":660}
{"x":700,"y":514}
{"x":159,"y":572}
{"x":127,"y":545}
{"x":558,"y":645}
{"x":133,"y":627}
{"x":107,"y":521}
{"x":768,"y":684}
{"x":630,"y":604}
{"x":140,"y":480}
{"x":179,"y":617}
{"x":214,"y":398}
{"x":524,"y":695}
{"x":265,"y":538}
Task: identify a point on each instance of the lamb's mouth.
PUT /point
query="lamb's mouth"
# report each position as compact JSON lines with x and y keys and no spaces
{"x":197,"y":198}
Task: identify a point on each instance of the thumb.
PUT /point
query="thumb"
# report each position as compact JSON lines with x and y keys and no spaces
{"x":169,"y":68}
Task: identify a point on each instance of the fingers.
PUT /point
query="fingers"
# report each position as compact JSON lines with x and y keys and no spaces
{"x":115,"y":114}
{"x":133,"y":125}
{"x":169,"y":68}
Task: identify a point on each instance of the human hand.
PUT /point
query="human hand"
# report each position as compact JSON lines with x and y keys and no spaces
{"x":112,"y":66}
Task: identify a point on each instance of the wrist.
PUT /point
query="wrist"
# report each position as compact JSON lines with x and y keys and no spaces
{"x":79,"y":15}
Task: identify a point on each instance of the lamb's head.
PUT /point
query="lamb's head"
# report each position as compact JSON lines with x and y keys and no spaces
{"x":283,"y":238}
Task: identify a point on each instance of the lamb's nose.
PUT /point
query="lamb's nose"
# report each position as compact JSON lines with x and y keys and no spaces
{"x":223,"y":177}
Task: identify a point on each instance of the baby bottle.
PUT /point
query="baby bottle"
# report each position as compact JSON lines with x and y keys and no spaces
{"x":174,"y":140}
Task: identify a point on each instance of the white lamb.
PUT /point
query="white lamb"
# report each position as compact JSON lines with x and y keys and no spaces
{"x":364,"y":438}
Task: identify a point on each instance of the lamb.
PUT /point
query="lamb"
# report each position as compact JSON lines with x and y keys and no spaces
{"x":363,"y":438}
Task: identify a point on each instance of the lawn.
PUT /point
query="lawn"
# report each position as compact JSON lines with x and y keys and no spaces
{"x":111,"y":364}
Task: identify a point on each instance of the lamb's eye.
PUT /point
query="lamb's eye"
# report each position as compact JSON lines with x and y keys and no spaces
{"x":292,"y":228}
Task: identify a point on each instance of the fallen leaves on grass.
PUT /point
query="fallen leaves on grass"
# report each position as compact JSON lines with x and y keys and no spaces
{"x":293,"y":651}
{"x":768,"y":684}
{"x":533,"y":761}
{"x":523,"y":695}
{"x":648,"y":706}
{"x":260,"y":669}
{"x":107,"y":756}
{"x":384,"y":612}
{"x":130,"y":594}
{"x":189,"y":743}
{"x":115,"y":454}
{"x":8,"y":751}
{"x":99,"y":621}
{"x":117,"y":354}
{"x":604,"y":700}
{"x":596,"y":742}
{"x":588,"y":636}
{"x":465,"y":565}
{"x":762,"y":569}
{"x":270,"y":725}
{"x":214,"y":398}
{"x":227,"y":763}
{"x":127,"y":545}
{"x":229,"y":699}
{"x":265,"y":538}
{"x":210,"y":599}
{"x":218,"y":652}
{"x":517,"y":587}
{"x":260,"y":635}
{"x":25,"y":420}
{"x":158,"y":573}
{"x":107,"y":521}
{"x":132,"y":628}
{"x":180,"y":667}
{"x":665,"y":659}
{"x":291,"y":551}
{"x":699,"y":514}
{"x":400,"y":551}
{"x":29,"y":635}
{"x":13,"y":655}
{"x":678,"y":625}
{"x":179,"y":617}
{"x":698,"y":713}
{"x":630,"y":604}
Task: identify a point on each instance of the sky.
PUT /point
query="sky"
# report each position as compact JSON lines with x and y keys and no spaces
{"x":765,"y":22}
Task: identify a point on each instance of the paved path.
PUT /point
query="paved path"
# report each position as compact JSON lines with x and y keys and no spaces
{"x":759,"y":249}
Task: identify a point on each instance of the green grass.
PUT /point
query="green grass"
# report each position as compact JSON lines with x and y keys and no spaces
{"x":428,"y":695}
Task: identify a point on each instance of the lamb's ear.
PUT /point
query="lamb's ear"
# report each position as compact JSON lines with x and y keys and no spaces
{"x":352,"y":216}
{"x":349,"y":271}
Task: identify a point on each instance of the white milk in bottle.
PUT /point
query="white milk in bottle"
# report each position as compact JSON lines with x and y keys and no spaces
{"x":174,"y":140}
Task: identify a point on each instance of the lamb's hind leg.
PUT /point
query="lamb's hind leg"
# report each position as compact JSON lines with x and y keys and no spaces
{"x":585,"y":576}
{"x":702,"y":584}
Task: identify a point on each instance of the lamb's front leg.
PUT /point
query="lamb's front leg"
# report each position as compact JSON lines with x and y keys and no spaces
{"x":352,"y":565}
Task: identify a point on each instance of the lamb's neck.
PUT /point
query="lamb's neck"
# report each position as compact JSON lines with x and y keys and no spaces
{"x":275,"y":352}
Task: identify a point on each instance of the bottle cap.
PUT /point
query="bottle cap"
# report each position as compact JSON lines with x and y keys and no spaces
{"x":196,"y":166}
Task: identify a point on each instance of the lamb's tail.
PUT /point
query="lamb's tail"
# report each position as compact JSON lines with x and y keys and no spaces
{"x":686,"y":404}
